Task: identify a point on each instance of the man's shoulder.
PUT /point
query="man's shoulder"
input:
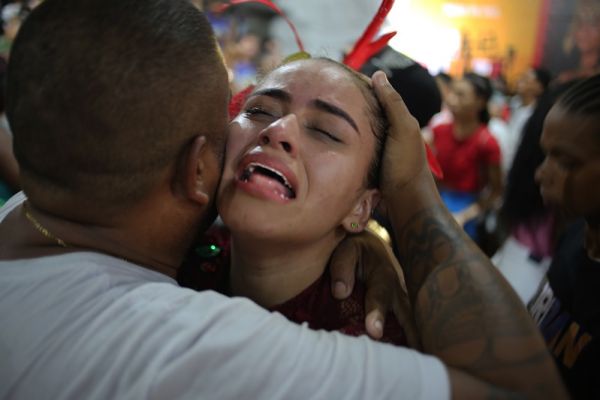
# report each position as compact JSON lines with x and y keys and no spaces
{"x":11,"y":204}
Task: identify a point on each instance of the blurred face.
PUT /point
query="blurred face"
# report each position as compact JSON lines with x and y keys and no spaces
{"x":528,"y":85}
{"x":297,"y":155}
{"x":587,"y":31}
{"x":569,"y":177}
{"x":463,"y":101}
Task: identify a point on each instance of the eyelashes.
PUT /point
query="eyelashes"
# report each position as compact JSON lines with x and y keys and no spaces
{"x":259,"y":113}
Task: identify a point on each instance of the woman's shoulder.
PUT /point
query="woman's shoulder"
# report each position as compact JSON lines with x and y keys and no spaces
{"x":443,"y":129}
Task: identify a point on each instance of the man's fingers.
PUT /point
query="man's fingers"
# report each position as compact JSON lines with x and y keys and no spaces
{"x":374,"y":322}
{"x":343,"y":268}
{"x":376,"y":301}
{"x":379,"y":298}
{"x":395,"y":109}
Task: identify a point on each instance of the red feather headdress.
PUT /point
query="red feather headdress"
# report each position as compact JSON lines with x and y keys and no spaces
{"x":363,"y":50}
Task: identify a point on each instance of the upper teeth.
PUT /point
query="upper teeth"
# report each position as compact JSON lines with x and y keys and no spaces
{"x":250,"y":168}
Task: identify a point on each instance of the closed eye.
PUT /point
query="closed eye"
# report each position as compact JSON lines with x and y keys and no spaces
{"x":325,"y":134}
{"x":257,"y":111}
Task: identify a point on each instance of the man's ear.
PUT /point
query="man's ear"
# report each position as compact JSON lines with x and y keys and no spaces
{"x":194,"y":171}
{"x":359,"y":217}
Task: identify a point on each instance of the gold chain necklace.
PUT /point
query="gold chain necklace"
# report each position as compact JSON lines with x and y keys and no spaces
{"x":41,"y":229}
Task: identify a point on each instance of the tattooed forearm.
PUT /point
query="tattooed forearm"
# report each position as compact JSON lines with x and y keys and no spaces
{"x":466,"y":313}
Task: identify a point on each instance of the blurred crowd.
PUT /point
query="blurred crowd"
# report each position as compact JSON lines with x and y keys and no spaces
{"x":484,"y":131}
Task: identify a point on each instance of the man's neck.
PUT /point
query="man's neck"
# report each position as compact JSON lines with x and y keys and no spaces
{"x":37,"y":232}
{"x":271,"y":274}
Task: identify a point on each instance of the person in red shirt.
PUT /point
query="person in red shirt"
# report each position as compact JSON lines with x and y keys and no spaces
{"x":468,"y":153}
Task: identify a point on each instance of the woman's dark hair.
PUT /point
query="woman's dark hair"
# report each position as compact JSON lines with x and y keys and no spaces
{"x":444,"y":77}
{"x":483,"y":89}
{"x":522,"y":198}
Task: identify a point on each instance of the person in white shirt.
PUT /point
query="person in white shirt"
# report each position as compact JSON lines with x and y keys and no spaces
{"x":125,"y":103}
{"x":532,"y":84}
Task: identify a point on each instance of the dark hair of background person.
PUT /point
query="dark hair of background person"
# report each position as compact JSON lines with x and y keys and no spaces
{"x":522,"y":199}
{"x":444,"y":77}
{"x":583,"y":98}
{"x":483,"y":90}
{"x":97,"y":116}
{"x":414,"y":83}
{"x":543,"y":76}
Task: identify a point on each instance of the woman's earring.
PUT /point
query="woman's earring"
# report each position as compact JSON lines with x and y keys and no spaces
{"x":354,"y":225}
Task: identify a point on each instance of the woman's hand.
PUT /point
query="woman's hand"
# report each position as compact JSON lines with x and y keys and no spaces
{"x":367,"y":257}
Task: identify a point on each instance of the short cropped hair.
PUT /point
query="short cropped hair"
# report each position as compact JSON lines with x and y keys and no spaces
{"x":102,"y":95}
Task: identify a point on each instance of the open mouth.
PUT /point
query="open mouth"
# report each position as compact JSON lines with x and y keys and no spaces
{"x":258,"y":172}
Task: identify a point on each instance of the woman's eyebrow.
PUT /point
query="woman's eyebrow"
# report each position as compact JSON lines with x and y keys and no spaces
{"x":330,"y":108}
{"x":274,"y":93}
{"x":286,"y":97}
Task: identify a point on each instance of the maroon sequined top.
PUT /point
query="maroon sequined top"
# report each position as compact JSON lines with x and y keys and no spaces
{"x":207,"y":268}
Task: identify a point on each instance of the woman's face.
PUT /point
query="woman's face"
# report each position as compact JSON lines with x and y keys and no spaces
{"x":587,"y":31}
{"x":297,"y":155}
{"x":572,"y":152}
{"x":463,"y":101}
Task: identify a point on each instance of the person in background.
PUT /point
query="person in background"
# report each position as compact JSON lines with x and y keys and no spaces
{"x":530,"y":86}
{"x":567,"y":306}
{"x":468,"y":153}
{"x":13,"y":15}
{"x":528,"y":228}
{"x":444,"y":83}
{"x":583,"y":40}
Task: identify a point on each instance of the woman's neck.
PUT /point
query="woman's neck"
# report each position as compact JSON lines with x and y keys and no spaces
{"x":464,"y":128}
{"x":589,"y":60}
{"x":270,"y":273}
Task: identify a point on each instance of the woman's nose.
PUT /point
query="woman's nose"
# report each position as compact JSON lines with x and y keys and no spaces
{"x":539,"y":172}
{"x":282,"y":135}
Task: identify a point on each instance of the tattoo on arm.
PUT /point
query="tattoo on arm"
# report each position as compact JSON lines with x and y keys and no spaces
{"x":465,"y":312}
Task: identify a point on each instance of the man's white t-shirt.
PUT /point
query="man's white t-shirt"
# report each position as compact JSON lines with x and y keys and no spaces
{"x":89,"y":326}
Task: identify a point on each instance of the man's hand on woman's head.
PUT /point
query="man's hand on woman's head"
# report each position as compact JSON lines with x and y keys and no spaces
{"x":404,"y":158}
{"x":366,"y":257}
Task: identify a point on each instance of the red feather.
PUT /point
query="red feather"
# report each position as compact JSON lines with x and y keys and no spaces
{"x":237,"y":102}
{"x":273,"y":7}
{"x":364,"y":47}
{"x":434,"y":165}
